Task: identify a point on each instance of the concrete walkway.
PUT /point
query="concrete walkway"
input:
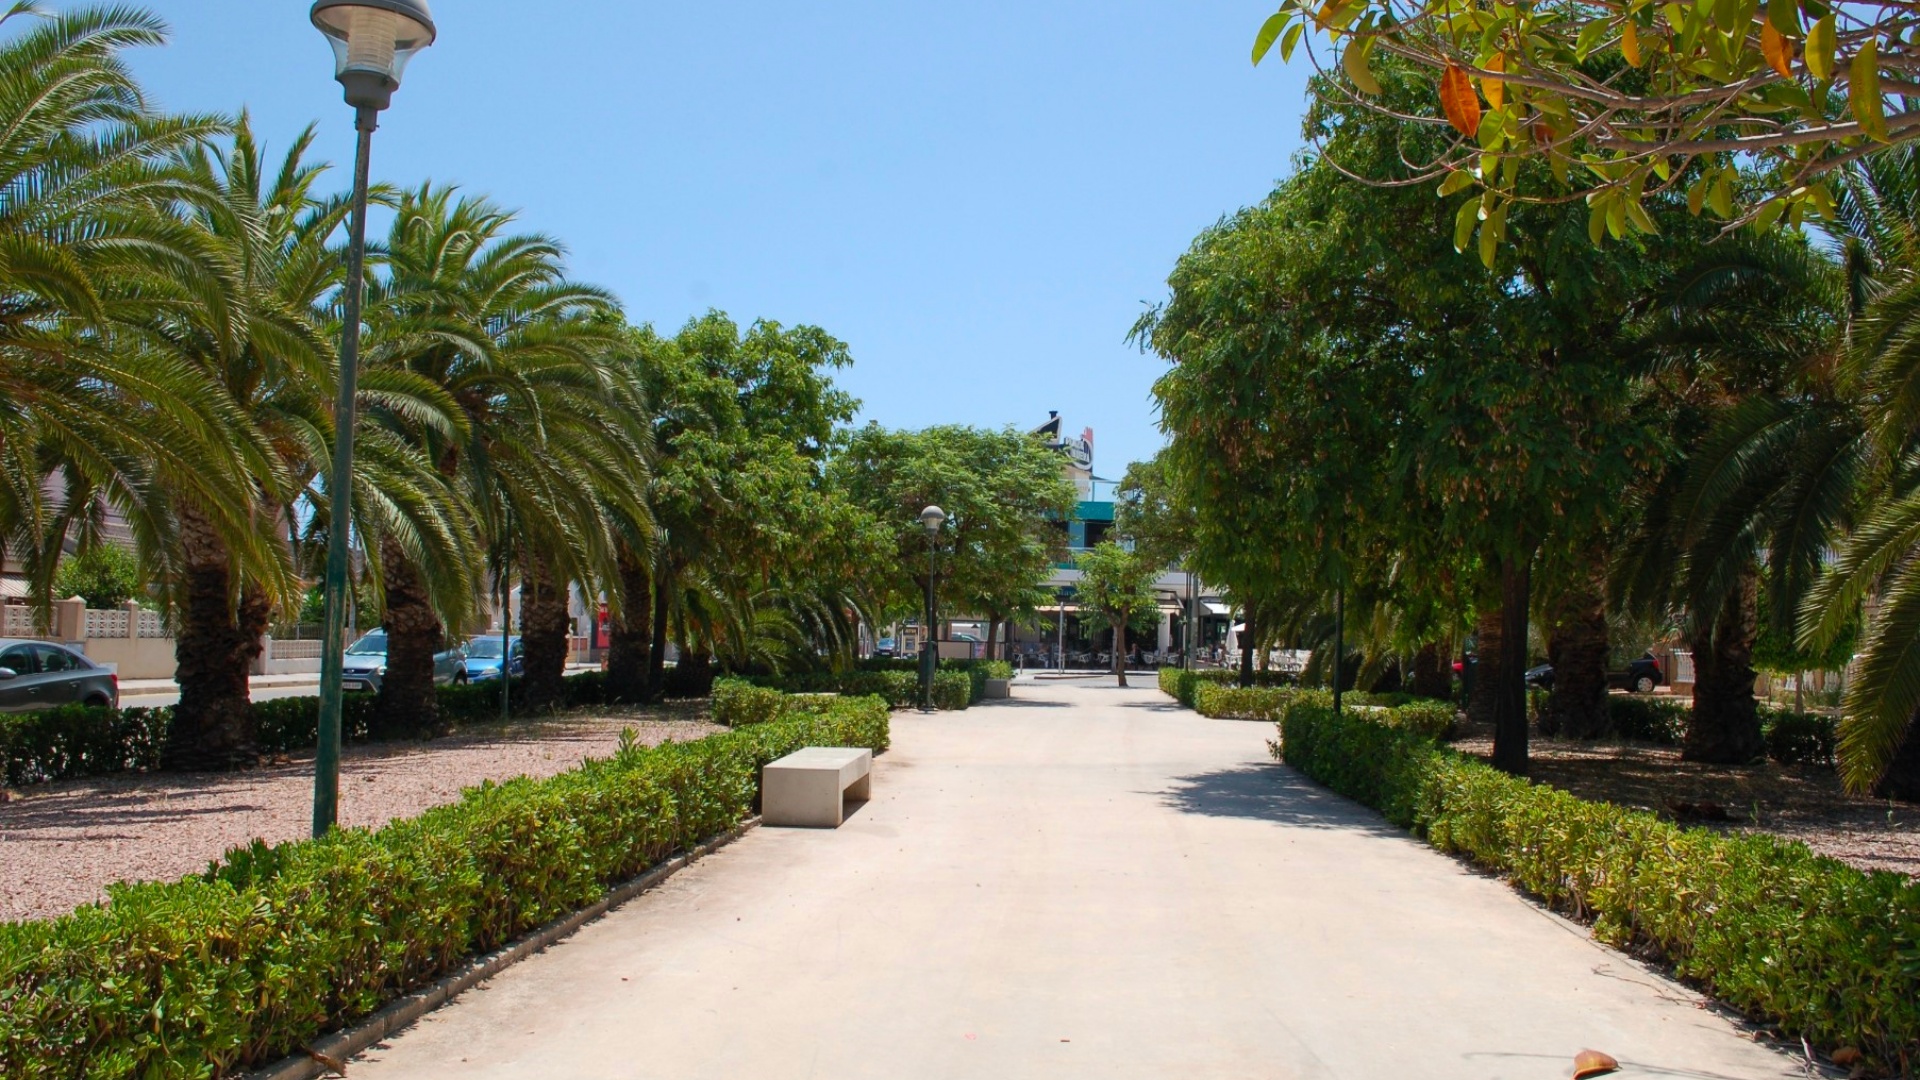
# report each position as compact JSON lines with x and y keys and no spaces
{"x":1083,"y":882}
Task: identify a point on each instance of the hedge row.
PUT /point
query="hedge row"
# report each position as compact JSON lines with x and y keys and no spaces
{"x":276,"y":945}
{"x":77,"y":740}
{"x":1791,"y":738}
{"x":1804,"y":943}
{"x":1181,"y":684}
{"x":958,"y":684}
{"x":1434,"y":719}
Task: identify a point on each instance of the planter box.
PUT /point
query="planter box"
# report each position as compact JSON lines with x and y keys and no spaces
{"x":999,"y":688}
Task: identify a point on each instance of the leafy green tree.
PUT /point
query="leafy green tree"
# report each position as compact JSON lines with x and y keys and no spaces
{"x":1007,"y":500}
{"x":1118,"y":584}
{"x":105,"y":576}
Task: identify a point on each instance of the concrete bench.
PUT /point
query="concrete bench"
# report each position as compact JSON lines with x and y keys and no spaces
{"x":804,"y":788}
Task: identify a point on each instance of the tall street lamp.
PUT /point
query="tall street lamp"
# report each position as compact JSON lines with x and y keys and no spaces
{"x":372,"y":41}
{"x":932,"y":517}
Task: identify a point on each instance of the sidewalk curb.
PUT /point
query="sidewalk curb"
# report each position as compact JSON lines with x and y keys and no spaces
{"x":342,"y":1046}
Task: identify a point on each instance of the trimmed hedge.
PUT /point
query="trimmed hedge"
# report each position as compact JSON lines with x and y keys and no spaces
{"x":1432,"y":718}
{"x":1799,"y":738}
{"x":1804,"y":943}
{"x":739,"y":703}
{"x":958,"y":684}
{"x":276,"y":945}
{"x":75,"y":740}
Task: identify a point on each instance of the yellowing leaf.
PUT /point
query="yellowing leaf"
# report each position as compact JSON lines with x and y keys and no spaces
{"x":1720,"y":196}
{"x":1457,"y":181}
{"x":1630,"y":43}
{"x":1495,"y":89}
{"x":1354,"y":59}
{"x":1269,"y":33}
{"x":1784,"y":15}
{"x":1777,"y":49}
{"x":1463,"y":222}
{"x":1462,"y":105}
{"x":1819,"y":54}
{"x":1289,"y":40}
{"x":1641,"y":220}
{"x":1863,"y":91}
{"x":1489,"y":245}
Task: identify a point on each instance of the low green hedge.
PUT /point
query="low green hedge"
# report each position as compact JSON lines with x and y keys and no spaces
{"x":76,"y":740}
{"x":956,"y":685}
{"x":1249,"y":703}
{"x":1799,"y":738}
{"x":739,"y":703}
{"x":1432,"y":718}
{"x":1803,"y":943}
{"x":276,"y":945}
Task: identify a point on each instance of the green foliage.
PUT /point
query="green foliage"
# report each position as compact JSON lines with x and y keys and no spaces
{"x":1641,"y":718}
{"x":1182,"y":685}
{"x":105,"y":576}
{"x":1799,"y":738}
{"x":276,"y":945}
{"x":996,"y":669}
{"x":953,"y":690}
{"x":738,"y":703}
{"x":1799,"y":942}
{"x":1225,"y":701}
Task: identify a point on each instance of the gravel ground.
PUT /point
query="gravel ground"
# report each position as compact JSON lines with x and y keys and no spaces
{"x":1800,"y":802}
{"x":62,"y":844}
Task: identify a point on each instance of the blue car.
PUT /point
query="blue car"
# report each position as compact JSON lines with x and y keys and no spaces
{"x":483,"y":658}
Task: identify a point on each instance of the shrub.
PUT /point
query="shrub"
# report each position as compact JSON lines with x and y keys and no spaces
{"x":953,"y":690}
{"x":1434,"y":719}
{"x":739,"y":703}
{"x":997,"y":669}
{"x":105,"y":576}
{"x":1649,"y":719}
{"x":1804,"y":943}
{"x":1249,"y":703}
{"x":276,"y":945}
{"x":1799,"y":738}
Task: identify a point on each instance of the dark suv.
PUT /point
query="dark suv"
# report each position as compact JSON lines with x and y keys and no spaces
{"x":1641,"y":676}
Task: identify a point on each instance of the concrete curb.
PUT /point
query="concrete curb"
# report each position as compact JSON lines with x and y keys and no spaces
{"x":341,"y":1046}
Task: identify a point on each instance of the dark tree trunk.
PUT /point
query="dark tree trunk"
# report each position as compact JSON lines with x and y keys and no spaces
{"x":657,"y":651}
{"x":1577,"y":648}
{"x":1902,"y":778}
{"x":1430,"y":676}
{"x":408,"y":704}
{"x":630,"y":645}
{"x":1246,"y":650}
{"x":993,"y":637}
{"x":543,"y":634}
{"x":1119,"y":649}
{"x":1725,"y":727}
{"x":1486,"y":665}
{"x":1510,"y":688}
{"x":214,"y":652}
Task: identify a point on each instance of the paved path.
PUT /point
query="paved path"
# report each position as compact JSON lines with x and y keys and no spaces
{"x":1084,"y":882}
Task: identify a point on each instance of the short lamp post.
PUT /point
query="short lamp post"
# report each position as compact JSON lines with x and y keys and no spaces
{"x":932,"y":517}
{"x":372,"y":41}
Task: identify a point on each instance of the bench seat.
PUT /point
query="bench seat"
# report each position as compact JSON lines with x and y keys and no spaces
{"x":805,"y":789}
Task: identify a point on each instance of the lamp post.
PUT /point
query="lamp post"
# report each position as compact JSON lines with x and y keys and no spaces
{"x":372,"y":42}
{"x":932,"y":517}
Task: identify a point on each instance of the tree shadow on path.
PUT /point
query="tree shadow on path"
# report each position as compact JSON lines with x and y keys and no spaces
{"x":1273,"y":793}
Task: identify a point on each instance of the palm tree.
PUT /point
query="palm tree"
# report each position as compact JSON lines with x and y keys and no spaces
{"x":551,"y":452}
{"x":83,"y":419}
{"x":248,"y":308}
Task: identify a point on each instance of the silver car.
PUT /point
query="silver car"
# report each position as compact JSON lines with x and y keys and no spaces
{"x":42,"y":675}
{"x":366,"y":664}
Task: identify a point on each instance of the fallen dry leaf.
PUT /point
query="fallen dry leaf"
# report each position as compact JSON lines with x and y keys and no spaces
{"x":1593,"y":1063}
{"x":1846,"y":1057}
{"x":331,"y":1064}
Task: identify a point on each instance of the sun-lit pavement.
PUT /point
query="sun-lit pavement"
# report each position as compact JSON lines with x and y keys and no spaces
{"x":1083,"y":882}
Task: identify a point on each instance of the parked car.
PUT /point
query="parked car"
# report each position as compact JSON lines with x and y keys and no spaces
{"x":366,"y":664}
{"x":1641,"y":676}
{"x":42,"y":675}
{"x":483,"y":658}
{"x":883,"y":647}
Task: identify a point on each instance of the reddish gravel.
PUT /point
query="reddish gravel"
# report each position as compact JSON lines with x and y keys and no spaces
{"x":62,"y":844}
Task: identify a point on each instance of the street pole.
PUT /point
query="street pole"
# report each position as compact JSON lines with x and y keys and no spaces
{"x":1193,"y":621}
{"x":1339,"y":642}
{"x":326,"y":770}
{"x":506,"y":622}
{"x":929,"y":649}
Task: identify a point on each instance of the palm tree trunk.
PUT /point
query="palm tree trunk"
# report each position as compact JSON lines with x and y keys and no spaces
{"x":408,"y":706}
{"x":1430,"y":676}
{"x":1510,"y":688}
{"x":1725,"y":728}
{"x":543,"y":634}
{"x":215,"y":648}
{"x":630,"y":644}
{"x":1577,"y":648}
{"x":1119,"y":648}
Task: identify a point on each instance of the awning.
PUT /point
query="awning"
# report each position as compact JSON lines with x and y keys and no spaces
{"x":1216,"y":609}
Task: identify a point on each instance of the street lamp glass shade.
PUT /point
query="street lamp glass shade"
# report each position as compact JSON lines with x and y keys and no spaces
{"x":374,"y":37}
{"x":933,"y":517}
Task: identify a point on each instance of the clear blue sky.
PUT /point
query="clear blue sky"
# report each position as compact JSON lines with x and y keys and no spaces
{"x":977,"y":197}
